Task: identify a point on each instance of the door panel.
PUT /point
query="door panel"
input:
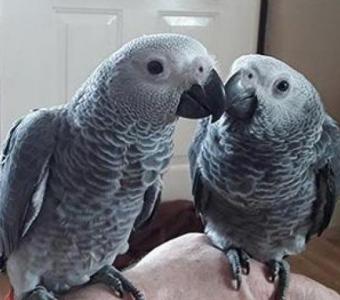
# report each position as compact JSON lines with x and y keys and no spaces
{"x":48,"y":48}
{"x":86,"y":37}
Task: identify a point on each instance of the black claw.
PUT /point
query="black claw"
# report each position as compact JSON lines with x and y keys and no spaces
{"x":283,"y":280}
{"x":279,"y":270}
{"x":111,"y":277}
{"x":118,"y":294}
{"x":129,"y":287}
{"x":118,"y":287}
{"x":239,"y":264}
{"x":39,"y":293}
{"x":244,"y":259}
{"x":235,"y":265}
{"x":274,"y":268}
{"x":246,"y":268}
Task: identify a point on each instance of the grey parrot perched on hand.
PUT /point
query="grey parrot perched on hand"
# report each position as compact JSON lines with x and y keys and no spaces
{"x":265,"y":174}
{"x":76,"y":179}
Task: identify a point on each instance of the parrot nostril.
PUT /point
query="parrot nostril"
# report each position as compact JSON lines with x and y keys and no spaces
{"x":200,"y":69}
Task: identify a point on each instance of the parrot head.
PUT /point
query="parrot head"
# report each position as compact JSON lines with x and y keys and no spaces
{"x":165,"y":76}
{"x":267,"y":94}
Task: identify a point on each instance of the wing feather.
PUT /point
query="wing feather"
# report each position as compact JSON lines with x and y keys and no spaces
{"x":23,"y":172}
{"x":327,"y":176}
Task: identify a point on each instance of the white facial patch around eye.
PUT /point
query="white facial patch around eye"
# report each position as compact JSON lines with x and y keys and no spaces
{"x":155,"y":68}
{"x":282,"y":86}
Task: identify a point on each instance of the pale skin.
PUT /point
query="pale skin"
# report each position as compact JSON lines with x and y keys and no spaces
{"x":189,"y":267}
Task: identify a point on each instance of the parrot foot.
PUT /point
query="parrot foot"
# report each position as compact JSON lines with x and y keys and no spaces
{"x":239,"y":262}
{"x":280,"y":270}
{"x":39,"y":293}
{"x":112,"y":278}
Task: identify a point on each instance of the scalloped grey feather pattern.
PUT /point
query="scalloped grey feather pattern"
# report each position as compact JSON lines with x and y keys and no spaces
{"x":262,"y":190}
{"x":72,"y":184}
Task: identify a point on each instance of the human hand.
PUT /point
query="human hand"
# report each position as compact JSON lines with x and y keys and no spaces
{"x":189,"y":267}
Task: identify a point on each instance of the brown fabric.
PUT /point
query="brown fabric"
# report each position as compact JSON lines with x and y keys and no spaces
{"x":172,"y":219}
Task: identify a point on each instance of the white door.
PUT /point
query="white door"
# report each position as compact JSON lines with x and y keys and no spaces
{"x":49,"y":47}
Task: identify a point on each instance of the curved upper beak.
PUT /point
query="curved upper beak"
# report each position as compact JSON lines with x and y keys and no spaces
{"x":202,"y":101}
{"x":241,"y":100}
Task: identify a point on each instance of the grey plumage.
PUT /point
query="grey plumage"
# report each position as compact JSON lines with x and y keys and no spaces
{"x":73,"y":178}
{"x":264,"y":182}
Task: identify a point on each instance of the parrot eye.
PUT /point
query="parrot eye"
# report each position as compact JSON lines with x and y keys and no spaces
{"x":282,"y":86}
{"x":155,"y":67}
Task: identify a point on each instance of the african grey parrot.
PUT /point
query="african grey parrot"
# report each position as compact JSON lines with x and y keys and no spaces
{"x":265,"y":174}
{"x":76,"y":179}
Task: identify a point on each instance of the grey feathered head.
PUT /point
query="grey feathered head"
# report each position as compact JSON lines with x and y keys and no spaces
{"x":157,"y":78}
{"x":269,"y":96}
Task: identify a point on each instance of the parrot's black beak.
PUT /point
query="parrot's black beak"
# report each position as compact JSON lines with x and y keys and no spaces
{"x":202,"y":101}
{"x":241,"y":100}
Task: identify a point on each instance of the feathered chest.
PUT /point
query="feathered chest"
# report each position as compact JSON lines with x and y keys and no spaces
{"x":256,"y":172}
{"x":108,"y":163}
